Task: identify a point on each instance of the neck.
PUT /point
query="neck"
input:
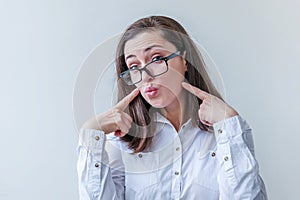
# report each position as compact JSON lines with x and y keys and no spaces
{"x":175,"y":112}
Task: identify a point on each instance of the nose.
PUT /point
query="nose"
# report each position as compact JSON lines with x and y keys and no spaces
{"x":146,"y":76}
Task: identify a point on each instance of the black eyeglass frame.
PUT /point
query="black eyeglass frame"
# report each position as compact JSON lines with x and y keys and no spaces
{"x":144,"y":68}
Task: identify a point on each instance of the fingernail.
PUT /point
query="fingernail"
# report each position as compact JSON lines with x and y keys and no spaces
{"x":117,"y":133}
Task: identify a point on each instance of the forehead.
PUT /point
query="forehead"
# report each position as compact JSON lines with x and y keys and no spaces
{"x":145,"y":40}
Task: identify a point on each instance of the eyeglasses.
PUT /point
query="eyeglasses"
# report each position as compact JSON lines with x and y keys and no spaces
{"x":156,"y":67}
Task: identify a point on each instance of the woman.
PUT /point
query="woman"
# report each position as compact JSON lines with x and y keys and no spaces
{"x":170,"y":136}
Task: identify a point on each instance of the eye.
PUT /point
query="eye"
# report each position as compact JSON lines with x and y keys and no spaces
{"x":157,"y":58}
{"x":133,"y":67}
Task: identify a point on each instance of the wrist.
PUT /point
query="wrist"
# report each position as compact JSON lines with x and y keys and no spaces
{"x":231,"y":113}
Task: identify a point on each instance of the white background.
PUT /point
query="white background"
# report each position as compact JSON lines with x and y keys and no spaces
{"x":255,"y":45}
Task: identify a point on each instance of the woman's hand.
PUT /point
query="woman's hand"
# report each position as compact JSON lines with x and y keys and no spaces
{"x":115,"y":119}
{"x":212,"y":108}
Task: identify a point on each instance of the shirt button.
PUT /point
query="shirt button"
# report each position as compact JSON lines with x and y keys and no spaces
{"x":220,"y":131}
{"x":140,"y":155}
{"x":96,"y":164}
{"x":226,"y":158}
{"x":178,"y":148}
{"x":213,"y":154}
{"x":97,"y":138}
{"x":176,"y":173}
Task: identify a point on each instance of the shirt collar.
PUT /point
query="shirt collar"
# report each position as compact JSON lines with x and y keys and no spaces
{"x":162,"y":119}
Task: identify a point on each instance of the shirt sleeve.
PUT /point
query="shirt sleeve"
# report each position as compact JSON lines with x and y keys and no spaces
{"x":99,"y":167}
{"x":239,"y":172}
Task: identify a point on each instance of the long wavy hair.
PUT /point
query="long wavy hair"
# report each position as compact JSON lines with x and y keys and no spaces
{"x":141,"y":133}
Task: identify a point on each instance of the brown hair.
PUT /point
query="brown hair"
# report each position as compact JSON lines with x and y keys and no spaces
{"x":141,"y":133}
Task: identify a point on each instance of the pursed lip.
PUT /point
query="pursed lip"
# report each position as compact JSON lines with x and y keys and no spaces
{"x":151,"y":92}
{"x":150,"y":89}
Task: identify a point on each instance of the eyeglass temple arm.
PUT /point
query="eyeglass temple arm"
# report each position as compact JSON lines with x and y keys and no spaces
{"x":173,"y":55}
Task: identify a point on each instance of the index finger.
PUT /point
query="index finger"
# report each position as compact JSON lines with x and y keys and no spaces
{"x":195,"y":91}
{"x":126,"y":100}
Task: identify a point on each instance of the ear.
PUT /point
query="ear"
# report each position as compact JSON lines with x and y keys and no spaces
{"x":184,"y":59}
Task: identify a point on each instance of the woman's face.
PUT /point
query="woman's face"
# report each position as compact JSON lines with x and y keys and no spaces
{"x":163,"y":90}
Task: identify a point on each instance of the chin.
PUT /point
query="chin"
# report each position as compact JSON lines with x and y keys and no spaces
{"x":160,"y":101}
{"x":157,"y":103}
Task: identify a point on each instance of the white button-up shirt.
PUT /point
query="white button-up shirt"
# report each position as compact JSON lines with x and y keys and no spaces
{"x":190,"y":164}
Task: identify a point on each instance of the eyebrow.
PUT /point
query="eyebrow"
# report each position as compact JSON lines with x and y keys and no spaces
{"x":147,"y":49}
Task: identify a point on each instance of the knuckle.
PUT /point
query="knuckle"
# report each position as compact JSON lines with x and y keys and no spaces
{"x":202,"y":107}
{"x":115,"y":125}
{"x":119,"y":120}
{"x":201,"y":115}
{"x":130,"y":120}
{"x":117,"y":115}
{"x":116,"y":110}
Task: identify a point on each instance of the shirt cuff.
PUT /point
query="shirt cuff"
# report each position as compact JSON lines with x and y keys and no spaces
{"x":226,"y":129}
